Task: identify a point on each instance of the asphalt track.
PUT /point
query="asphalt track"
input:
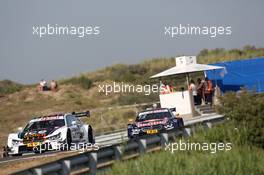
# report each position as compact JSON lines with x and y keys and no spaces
{"x":103,"y":140}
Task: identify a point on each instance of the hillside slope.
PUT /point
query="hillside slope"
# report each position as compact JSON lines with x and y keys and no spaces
{"x":19,"y":103}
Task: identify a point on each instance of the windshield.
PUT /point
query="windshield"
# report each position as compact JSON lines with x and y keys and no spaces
{"x":154,"y":115}
{"x":38,"y":125}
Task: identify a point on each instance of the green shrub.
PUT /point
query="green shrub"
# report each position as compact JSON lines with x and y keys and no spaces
{"x":128,"y":77}
{"x":137,"y":69}
{"x":218,"y":55}
{"x":225,"y":133}
{"x":82,"y":81}
{"x":9,"y":87}
{"x":240,"y":160}
{"x":246,"y":111}
{"x":237,"y":162}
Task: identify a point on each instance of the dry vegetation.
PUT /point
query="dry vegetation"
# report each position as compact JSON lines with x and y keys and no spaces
{"x":19,"y":103}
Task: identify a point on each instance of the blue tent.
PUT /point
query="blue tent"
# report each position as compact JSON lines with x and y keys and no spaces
{"x":248,"y":74}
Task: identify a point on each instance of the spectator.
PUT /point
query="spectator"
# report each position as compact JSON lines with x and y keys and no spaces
{"x":171,"y":86}
{"x":164,"y":89}
{"x":43,"y":86}
{"x":53,"y":85}
{"x":193,"y":89}
{"x":155,"y":106}
{"x":208,"y":91}
{"x":168,"y":89}
{"x":200,"y":91}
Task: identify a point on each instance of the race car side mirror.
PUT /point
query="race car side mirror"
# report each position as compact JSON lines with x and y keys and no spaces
{"x":88,"y":114}
{"x":130,"y":120}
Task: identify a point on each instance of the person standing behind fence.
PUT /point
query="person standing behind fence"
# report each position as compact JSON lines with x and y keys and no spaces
{"x":208,"y":91}
{"x":164,"y":88}
{"x":171,"y":86}
{"x":200,"y":91}
{"x":193,"y":89}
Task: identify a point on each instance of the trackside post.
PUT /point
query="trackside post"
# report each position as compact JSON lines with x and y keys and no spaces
{"x":93,"y":163}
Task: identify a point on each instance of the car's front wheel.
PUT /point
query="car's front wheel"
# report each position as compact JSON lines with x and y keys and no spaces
{"x":90,"y":135}
{"x":68,"y":140}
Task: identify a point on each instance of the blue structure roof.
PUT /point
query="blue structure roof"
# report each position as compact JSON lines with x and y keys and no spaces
{"x":248,"y":74}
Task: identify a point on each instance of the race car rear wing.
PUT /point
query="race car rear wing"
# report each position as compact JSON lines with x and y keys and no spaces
{"x":81,"y":114}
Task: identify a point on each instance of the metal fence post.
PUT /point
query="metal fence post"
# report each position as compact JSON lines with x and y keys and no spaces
{"x":164,"y":139}
{"x":187,"y":132}
{"x":208,"y":125}
{"x":93,"y":163}
{"x":66,"y":167}
{"x":37,"y":171}
{"x":118,"y":153}
{"x":142,"y":146}
{"x":193,"y":129}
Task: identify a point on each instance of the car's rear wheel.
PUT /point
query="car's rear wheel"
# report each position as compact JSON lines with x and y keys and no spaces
{"x":181,"y":122}
{"x":68,"y":140}
{"x":90,"y":135}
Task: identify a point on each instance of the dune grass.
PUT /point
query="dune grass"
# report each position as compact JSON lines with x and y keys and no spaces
{"x":243,"y":131}
{"x":19,"y":102}
{"x":242,"y":159}
{"x":9,"y":87}
{"x":239,"y":161}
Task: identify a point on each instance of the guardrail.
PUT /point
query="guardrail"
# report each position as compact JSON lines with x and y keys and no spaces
{"x":91,"y":162}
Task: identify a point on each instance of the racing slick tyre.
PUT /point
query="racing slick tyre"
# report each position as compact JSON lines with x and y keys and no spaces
{"x":68,"y":140}
{"x":133,"y":138}
{"x":90,"y":135}
{"x":181,"y":123}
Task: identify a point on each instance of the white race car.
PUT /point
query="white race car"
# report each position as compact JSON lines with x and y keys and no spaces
{"x":53,"y":132}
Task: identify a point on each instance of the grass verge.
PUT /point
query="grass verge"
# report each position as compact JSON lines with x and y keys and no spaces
{"x":241,"y":159}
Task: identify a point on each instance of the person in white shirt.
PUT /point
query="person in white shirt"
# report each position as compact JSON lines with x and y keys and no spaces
{"x":193,"y":89}
{"x":43,"y":85}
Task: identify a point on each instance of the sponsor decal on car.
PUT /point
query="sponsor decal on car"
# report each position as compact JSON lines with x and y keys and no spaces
{"x":151,"y":122}
{"x":56,"y":117}
{"x":154,"y":111}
